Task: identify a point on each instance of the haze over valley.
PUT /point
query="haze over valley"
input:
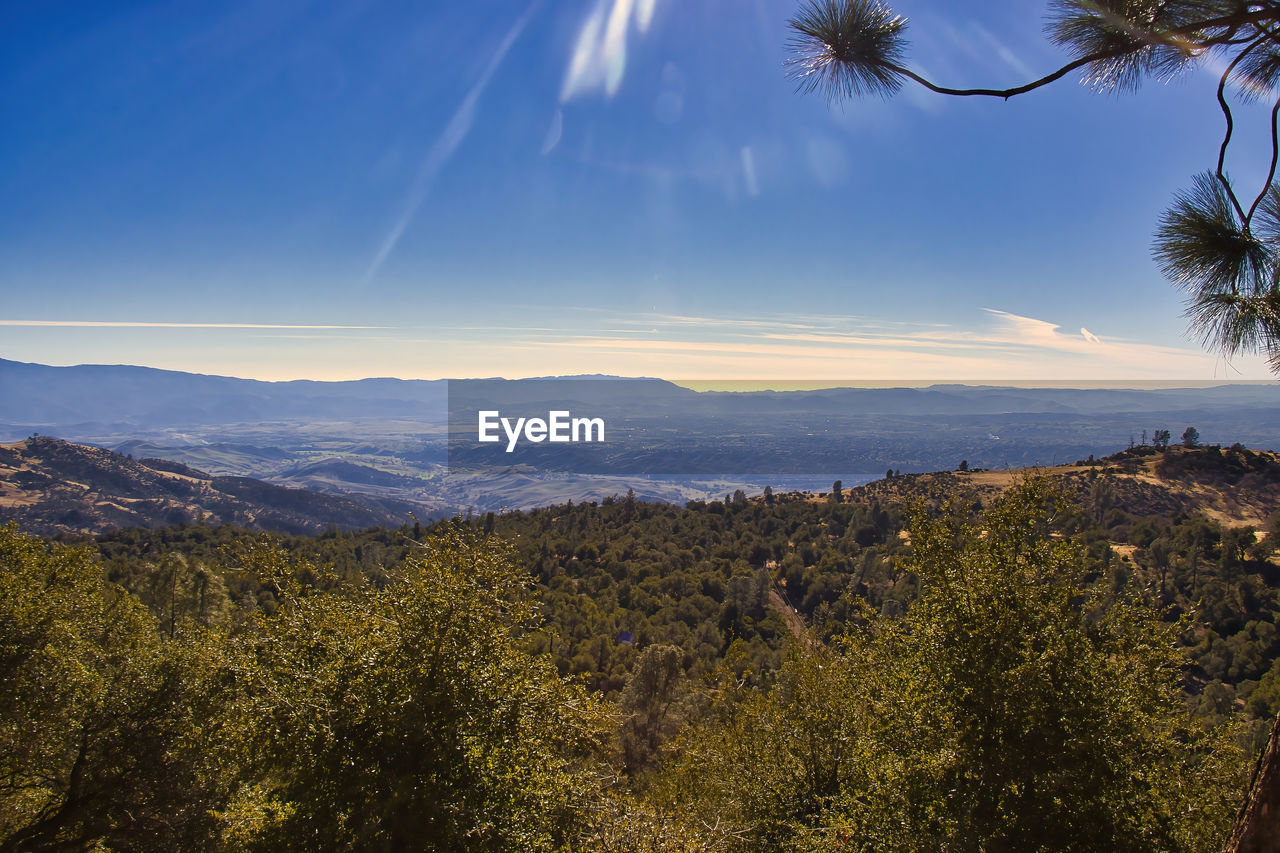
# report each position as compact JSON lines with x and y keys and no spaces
{"x":386,"y":440}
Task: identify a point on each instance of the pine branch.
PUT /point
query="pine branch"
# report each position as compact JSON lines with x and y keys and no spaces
{"x":1179,"y":37}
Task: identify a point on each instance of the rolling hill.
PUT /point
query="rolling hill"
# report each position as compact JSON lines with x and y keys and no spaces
{"x":50,"y":486}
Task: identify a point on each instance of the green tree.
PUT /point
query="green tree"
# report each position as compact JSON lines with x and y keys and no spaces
{"x":1191,"y":437}
{"x":409,"y":715}
{"x":1013,"y":707}
{"x":1233,"y":552}
{"x":1062,"y":708}
{"x":1159,"y":552}
{"x":180,"y":591}
{"x":1102,"y":496}
{"x":1217,"y":242}
{"x":110,"y":732}
{"x":646,"y":704}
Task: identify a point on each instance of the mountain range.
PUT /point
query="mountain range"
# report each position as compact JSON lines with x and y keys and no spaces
{"x":389,"y":439}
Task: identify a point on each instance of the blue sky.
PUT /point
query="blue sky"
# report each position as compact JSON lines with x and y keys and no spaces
{"x":291,"y":189}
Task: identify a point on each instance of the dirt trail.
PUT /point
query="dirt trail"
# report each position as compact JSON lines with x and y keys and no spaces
{"x":795,"y":622}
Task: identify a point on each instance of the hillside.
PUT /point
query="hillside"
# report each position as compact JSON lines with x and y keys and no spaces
{"x":1188,"y":527}
{"x":50,"y":486}
{"x":1154,"y":594}
{"x":1233,"y":486}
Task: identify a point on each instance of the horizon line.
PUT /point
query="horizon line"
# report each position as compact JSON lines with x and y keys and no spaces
{"x":745,"y":385}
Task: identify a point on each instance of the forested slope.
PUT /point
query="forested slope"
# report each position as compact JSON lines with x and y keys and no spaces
{"x":970,"y":660}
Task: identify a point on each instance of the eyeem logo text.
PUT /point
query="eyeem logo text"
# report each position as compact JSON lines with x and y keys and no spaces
{"x":559,"y":427}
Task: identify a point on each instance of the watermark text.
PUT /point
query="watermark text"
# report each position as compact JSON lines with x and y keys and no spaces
{"x":558,"y":427}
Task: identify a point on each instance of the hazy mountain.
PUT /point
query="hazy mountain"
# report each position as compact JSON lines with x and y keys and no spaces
{"x":149,"y":398}
{"x":108,"y":397}
{"x":385,"y":439}
{"x":115,"y":396}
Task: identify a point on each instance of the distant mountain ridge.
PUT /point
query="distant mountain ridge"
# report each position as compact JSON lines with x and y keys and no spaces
{"x":386,"y":441}
{"x":86,"y":400}
{"x":107,"y":395}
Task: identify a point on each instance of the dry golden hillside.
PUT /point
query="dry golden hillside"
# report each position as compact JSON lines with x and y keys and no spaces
{"x":1233,"y":486}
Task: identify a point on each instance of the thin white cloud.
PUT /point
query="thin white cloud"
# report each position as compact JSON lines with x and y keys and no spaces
{"x":554,"y":131}
{"x":886,"y":341}
{"x":445,"y":146}
{"x":1011,"y":347}
{"x":996,"y":346}
{"x":599,"y":59}
{"x":749,"y":171}
{"x":651,"y":319}
{"x":1006,"y":55}
{"x":1041,"y":334}
{"x":129,"y":324}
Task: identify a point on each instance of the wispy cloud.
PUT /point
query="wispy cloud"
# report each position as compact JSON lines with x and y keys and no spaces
{"x":599,"y":59}
{"x":445,"y":145}
{"x":992,"y":345}
{"x":1008,"y":346}
{"x":749,"y":171}
{"x":130,"y":324}
{"x":651,"y":319}
{"x":1043,"y":335}
{"x":1006,"y":55}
